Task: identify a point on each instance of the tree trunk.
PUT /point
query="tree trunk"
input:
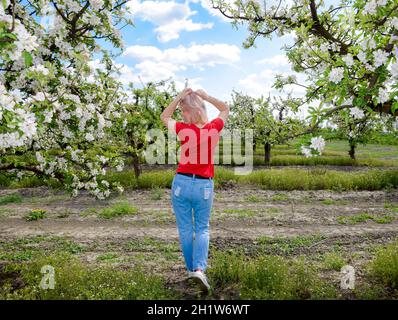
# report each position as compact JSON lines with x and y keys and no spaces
{"x":136,"y":159}
{"x":267,"y":153}
{"x":352,"y":150}
{"x":136,"y":165}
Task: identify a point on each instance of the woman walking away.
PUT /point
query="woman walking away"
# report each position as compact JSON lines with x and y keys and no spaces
{"x":192,"y":188}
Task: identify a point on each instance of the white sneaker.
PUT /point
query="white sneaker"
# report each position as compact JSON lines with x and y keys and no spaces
{"x":200,"y":278}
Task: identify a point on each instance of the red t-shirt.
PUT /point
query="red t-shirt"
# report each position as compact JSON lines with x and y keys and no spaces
{"x":197,"y":147}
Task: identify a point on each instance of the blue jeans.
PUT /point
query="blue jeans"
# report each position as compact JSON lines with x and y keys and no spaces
{"x":193,"y":197}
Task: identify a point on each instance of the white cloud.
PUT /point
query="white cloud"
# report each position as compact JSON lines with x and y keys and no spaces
{"x":279,"y":60}
{"x":170,"y":17}
{"x":149,"y":71}
{"x":196,"y":55}
{"x":257,"y":84}
{"x":170,"y":31}
{"x":143,"y":52}
{"x":206,"y":4}
{"x":203,"y":55}
{"x":155,"y":64}
{"x":156,"y":71}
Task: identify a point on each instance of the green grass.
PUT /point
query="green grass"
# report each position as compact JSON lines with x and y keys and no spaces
{"x":273,"y":211}
{"x":10,"y":198}
{"x":147,"y":180}
{"x":384,"y":267}
{"x":264,"y":273}
{"x":286,"y":246}
{"x":64,"y":214}
{"x":168,"y":250}
{"x":4,"y":212}
{"x":35,"y":214}
{"x":117,"y":210}
{"x":384,"y":219}
{"x":252,"y":198}
{"x":364,"y":217}
{"x":328,"y":202}
{"x":280,"y":197}
{"x":267,"y":277}
{"x":26,"y":248}
{"x":240,"y":213}
{"x":333,"y":261}
{"x":107,"y":256}
{"x":392,"y":206}
{"x":88,"y":212}
{"x":315,"y":179}
{"x":75,"y":280}
{"x":270,"y":179}
{"x":297,"y":160}
{"x":156,"y":193}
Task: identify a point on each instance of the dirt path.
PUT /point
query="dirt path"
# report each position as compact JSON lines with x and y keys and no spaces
{"x":83,"y":230}
{"x":237,"y":213}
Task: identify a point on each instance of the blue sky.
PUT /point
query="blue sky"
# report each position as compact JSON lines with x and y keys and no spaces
{"x":188,"y":39}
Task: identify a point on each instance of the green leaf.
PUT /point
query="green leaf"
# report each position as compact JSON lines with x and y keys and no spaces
{"x":8,"y":35}
{"x":394,"y":107}
{"x":346,"y":118}
{"x":28,"y":58}
{"x":7,"y":117}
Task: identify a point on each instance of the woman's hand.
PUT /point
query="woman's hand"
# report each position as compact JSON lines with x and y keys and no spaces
{"x":202,"y":94}
{"x":184,"y":93}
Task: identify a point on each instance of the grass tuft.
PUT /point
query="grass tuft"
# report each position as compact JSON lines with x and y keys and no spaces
{"x":119,"y":209}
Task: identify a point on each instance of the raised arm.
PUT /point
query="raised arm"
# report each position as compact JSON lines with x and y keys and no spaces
{"x":223,"y":107}
{"x":168,"y":112}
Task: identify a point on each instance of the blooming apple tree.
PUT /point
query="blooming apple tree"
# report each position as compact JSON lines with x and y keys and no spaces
{"x":55,"y":106}
{"x":348,"y":52}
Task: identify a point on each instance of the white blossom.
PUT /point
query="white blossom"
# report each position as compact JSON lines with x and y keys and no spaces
{"x":96,"y":4}
{"x":362,"y":57}
{"x":370,"y":7}
{"x":317,"y":143}
{"x":324,"y":47}
{"x":39,"y":96}
{"x":383,"y":95}
{"x":306,"y":151}
{"x":89,"y":136}
{"x":357,"y":113}
{"x":394,"y":69}
{"x":39,"y":157}
{"x":336,"y":74}
{"x":40,"y":68}
{"x":348,"y":59}
{"x":394,"y":22}
{"x":380,"y":57}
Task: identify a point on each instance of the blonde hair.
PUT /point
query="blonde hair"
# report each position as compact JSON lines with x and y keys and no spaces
{"x":195,"y":105}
